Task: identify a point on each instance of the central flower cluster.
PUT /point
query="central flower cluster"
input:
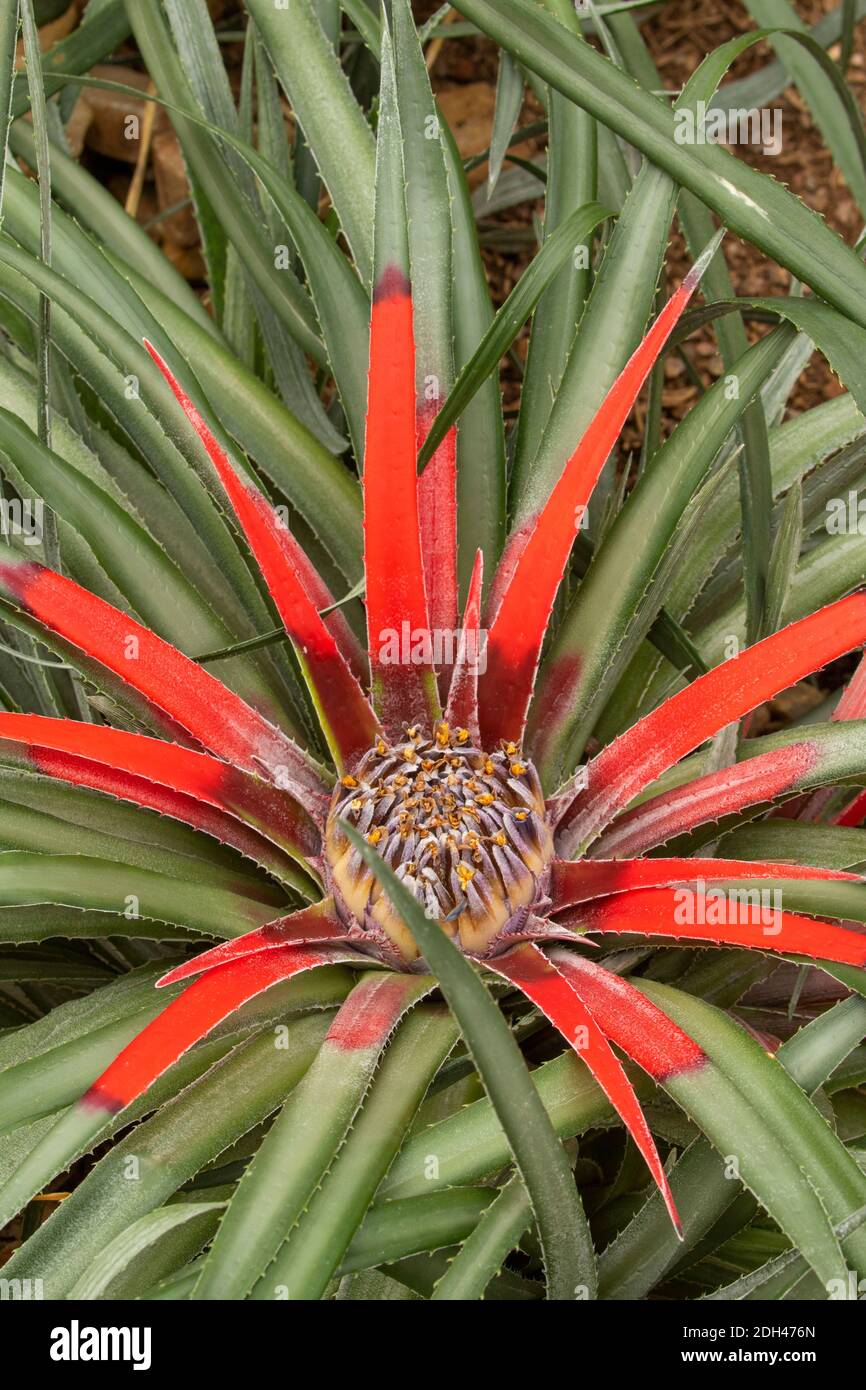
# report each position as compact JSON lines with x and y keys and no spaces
{"x":465,"y":830}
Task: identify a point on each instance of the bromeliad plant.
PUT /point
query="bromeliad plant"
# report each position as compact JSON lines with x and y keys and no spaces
{"x":439,"y":833}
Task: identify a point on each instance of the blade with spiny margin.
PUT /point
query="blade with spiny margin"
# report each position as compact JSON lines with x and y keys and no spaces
{"x":779,"y":772}
{"x":189,"y":1017}
{"x":150,"y":771}
{"x":720,"y":917}
{"x":629,"y":1019}
{"x":316,"y":925}
{"x":580,"y":880}
{"x":211,"y":998}
{"x":429,"y":237}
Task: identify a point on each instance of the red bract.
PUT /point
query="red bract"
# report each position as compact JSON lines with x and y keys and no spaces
{"x":451,"y":803}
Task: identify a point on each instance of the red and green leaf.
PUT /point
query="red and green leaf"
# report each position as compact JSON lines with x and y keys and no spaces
{"x":709,"y":798}
{"x":317,"y":925}
{"x":723,"y":917}
{"x":628,"y":765}
{"x":578,"y":881}
{"x":644,"y":1033}
{"x":299,"y":1147}
{"x":191,"y":1016}
{"x":536,"y":555}
{"x":560,"y":1000}
{"x":217,"y":718}
{"x":347,"y":719}
{"x":191,"y":786}
{"x":773,"y":766}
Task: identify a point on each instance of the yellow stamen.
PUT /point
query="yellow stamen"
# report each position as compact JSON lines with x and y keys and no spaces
{"x":465,"y":874}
